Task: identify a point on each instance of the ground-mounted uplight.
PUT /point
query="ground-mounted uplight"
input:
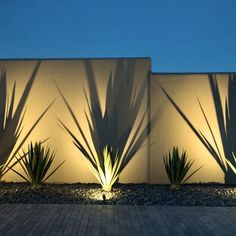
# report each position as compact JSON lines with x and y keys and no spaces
{"x":103,"y":196}
{"x":119,"y":132}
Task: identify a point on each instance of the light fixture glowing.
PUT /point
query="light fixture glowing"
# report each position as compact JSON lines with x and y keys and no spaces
{"x":107,"y":168}
{"x":99,"y":195}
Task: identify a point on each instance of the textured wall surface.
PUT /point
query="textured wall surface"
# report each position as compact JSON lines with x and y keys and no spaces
{"x":171,"y":130}
{"x":70,"y":77}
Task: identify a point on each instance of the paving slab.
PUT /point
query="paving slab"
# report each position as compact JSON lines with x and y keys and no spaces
{"x":72,"y":219}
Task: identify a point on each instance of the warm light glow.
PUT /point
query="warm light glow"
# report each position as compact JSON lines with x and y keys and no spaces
{"x":99,"y":195}
{"x":231,"y":165}
{"x":71,"y":77}
{"x":171,"y":129}
{"x":107,"y":172}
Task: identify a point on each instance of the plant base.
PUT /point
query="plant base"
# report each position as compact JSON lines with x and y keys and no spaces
{"x":106,"y":188}
{"x":174,"y":187}
{"x":36,"y":187}
{"x":230,"y":178}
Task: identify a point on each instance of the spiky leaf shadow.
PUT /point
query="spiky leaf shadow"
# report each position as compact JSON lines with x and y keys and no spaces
{"x":226,"y":123}
{"x":113,"y":128}
{"x":11,"y":121}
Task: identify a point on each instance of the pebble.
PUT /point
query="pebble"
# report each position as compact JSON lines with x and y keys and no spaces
{"x":122,"y":194}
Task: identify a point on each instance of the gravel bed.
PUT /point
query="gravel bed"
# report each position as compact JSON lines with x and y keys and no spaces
{"x":122,"y":194}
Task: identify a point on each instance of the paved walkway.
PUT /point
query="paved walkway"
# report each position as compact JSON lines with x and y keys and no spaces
{"x":104,"y":220}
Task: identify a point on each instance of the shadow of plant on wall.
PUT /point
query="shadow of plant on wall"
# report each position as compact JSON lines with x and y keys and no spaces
{"x":226,"y":123}
{"x":11,"y":122}
{"x":111,"y":131}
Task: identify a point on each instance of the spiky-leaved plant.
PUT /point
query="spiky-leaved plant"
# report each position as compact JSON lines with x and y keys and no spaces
{"x":177,"y":167}
{"x":11,"y":121}
{"x":108,"y":168}
{"x":36,"y":163}
{"x":226,"y":119}
{"x":114,"y":126}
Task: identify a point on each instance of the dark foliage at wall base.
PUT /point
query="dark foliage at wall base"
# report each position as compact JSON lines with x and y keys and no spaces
{"x":177,"y":167}
{"x":36,"y":163}
{"x":11,"y":122}
{"x":227,"y":127}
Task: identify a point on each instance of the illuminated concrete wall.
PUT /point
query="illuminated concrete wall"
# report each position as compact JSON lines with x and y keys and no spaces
{"x":70,"y":77}
{"x":171,"y":129}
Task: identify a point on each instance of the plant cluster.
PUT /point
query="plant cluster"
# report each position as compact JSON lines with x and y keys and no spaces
{"x":177,"y":167}
{"x":36,"y":163}
{"x":110,"y":131}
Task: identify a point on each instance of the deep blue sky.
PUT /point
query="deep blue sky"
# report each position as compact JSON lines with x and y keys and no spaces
{"x":179,"y":35}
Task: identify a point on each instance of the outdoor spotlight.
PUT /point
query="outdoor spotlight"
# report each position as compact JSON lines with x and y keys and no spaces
{"x":104,"y":198}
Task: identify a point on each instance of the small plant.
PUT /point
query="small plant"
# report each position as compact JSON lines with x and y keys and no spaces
{"x":11,"y":121}
{"x":177,"y":167}
{"x":121,"y":125}
{"x":108,"y":168}
{"x":225,"y":115}
{"x":36,"y":163}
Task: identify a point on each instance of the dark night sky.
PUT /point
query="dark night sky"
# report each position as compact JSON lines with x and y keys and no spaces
{"x":179,"y":35}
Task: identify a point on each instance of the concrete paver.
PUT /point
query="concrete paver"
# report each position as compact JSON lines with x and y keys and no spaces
{"x":69,"y":219}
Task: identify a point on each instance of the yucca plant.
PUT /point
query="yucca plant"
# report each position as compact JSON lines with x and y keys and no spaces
{"x":226,"y":123}
{"x":108,"y":166}
{"x":36,"y":163}
{"x":114,"y":126}
{"x":177,"y":167}
{"x":11,"y":120}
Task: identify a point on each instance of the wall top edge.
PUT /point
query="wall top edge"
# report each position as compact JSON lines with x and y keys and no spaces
{"x":117,"y":58}
{"x":193,"y":73}
{"x":73,"y":58}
